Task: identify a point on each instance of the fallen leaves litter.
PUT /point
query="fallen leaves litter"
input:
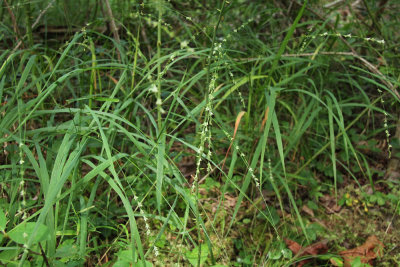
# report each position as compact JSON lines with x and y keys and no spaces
{"x":329,"y":202}
{"x":314,"y":249}
{"x":367,"y":252}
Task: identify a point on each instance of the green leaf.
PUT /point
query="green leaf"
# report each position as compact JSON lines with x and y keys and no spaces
{"x":9,"y":258}
{"x":8,"y":255}
{"x":272,"y":215}
{"x":16,"y":264}
{"x":125,"y":259}
{"x":23,"y":232}
{"x":337,"y":261}
{"x":121,"y":263}
{"x":356,"y":262}
{"x":3,"y":220}
{"x":246,"y":221}
{"x":140,"y":264}
{"x":312,"y":205}
{"x":106,"y":99}
{"x":67,"y":250}
{"x":287,"y":253}
{"x":381,"y":201}
{"x":192,"y":256}
{"x":275,"y":254}
{"x":160,"y":170}
{"x":126,"y":255}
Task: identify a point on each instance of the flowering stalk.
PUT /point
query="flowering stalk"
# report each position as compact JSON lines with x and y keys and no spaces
{"x":205,"y":136}
{"x":146,"y":224}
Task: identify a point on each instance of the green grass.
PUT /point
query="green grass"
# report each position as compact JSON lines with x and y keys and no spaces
{"x":200,"y":137}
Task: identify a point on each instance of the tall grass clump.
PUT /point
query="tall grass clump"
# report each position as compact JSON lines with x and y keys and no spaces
{"x":162,"y":133}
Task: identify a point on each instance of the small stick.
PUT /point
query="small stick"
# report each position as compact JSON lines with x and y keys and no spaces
{"x":113,"y":26}
{"x":42,"y":13}
{"x":14,"y":22}
{"x":112,"y":21}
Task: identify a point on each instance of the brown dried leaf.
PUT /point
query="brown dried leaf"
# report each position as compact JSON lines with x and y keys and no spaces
{"x":313,"y":249}
{"x":237,"y":122}
{"x":293,"y":245}
{"x":307,"y":210}
{"x":367,"y":252}
{"x":329,"y":202}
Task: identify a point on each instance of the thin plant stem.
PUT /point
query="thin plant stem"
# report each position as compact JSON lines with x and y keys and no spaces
{"x":159,"y":124}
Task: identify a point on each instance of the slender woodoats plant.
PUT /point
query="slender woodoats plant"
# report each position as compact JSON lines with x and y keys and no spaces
{"x":215,"y":133}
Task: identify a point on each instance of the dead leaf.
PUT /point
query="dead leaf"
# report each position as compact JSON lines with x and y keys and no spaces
{"x":265,"y":119}
{"x":307,"y":210}
{"x":367,"y":252}
{"x":237,"y":122}
{"x":330,"y":204}
{"x":228,"y":203}
{"x":293,"y":246}
{"x":314,"y":249}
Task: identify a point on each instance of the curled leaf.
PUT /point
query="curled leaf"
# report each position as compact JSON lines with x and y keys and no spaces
{"x":367,"y":252}
{"x":313,"y":249}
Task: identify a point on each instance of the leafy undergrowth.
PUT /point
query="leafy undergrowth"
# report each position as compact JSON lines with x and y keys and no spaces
{"x":215,"y":133}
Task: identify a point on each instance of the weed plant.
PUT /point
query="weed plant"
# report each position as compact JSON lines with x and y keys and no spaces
{"x":198,"y":135}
